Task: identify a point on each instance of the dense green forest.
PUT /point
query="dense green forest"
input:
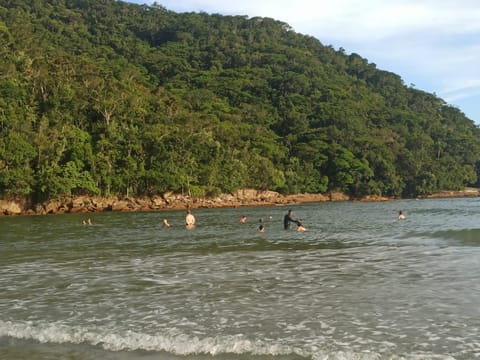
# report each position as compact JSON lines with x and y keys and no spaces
{"x":110,"y":98}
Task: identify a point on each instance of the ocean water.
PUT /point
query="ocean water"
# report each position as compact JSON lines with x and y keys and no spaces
{"x":358,"y":284}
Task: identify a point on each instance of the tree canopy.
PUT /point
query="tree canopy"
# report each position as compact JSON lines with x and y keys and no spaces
{"x":112,"y":98}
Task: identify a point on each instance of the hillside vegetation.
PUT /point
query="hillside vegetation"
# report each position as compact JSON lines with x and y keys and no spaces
{"x":107,"y":98}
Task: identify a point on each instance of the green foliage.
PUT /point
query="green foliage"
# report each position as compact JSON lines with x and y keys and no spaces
{"x":16,"y":155}
{"x":111,"y":98}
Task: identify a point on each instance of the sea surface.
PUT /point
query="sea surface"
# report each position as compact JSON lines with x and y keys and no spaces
{"x":359,"y":284}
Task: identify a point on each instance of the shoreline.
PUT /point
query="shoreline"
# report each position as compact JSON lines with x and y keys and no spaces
{"x":171,"y":201}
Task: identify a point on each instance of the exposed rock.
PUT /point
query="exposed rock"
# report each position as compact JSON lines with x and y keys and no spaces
{"x":373,"y":198}
{"x":304,"y":198}
{"x":53,"y":207}
{"x":254,"y":197}
{"x":158,"y":201}
{"x":336,"y":196}
{"x":103,"y":204}
{"x":467,"y":192}
{"x":10,"y":208}
{"x":39,"y":209}
{"x":79,"y":204}
{"x":168,"y":201}
{"x":122,"y":205}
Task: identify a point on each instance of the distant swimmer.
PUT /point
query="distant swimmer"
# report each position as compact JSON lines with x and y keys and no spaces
{"x":300,"y":227}
{"x":243,"y":219}
{"x":401,"y":216}
{"x":288,"y":219}
{"x":189,"y":220}
{"x":165,"y":223}
{"x":261,"y":228}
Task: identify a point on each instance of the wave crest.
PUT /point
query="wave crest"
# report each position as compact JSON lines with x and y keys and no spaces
{"x":180,"y":344}
{"x":175,"y":343}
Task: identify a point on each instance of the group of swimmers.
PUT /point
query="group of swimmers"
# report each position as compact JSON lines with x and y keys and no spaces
{"x":190,"y":222}
{"x":287,"y":220}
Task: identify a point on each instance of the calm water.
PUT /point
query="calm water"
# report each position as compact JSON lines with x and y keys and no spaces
{"x":359,"y":284}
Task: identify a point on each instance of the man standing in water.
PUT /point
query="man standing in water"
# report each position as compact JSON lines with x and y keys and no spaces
{"x":190,"y":220}
{"x":288,"y":219}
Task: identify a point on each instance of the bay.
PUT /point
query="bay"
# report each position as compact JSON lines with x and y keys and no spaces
{"x":358,"y":284}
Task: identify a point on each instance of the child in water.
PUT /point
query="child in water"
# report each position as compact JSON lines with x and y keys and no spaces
{"x":300,"y":227}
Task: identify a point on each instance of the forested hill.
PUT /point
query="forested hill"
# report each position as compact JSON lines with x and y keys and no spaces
{"x":111,"y":98}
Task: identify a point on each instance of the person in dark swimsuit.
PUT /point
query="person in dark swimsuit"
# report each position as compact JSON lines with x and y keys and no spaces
{"x":288,"y":219}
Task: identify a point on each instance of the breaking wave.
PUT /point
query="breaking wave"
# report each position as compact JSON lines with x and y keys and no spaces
{"x":182,"y":345}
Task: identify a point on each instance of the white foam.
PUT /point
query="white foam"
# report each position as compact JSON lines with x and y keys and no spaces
{"x":181,"y":344}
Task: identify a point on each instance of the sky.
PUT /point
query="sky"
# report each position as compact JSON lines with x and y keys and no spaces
{"x":433,"y":45}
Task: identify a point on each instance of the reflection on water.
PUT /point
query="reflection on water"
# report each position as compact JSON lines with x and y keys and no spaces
{"x":358,"y":284}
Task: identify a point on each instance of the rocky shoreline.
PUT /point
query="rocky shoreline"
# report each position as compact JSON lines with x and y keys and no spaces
{"x":168,"y":201}
{"x":171,"y":201}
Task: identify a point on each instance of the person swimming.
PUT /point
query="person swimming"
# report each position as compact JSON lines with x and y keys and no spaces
{"x":401,"y":216}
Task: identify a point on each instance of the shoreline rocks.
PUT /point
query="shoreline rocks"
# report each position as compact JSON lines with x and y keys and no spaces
{"x":171,"y":201}
{"x":167,"y":201}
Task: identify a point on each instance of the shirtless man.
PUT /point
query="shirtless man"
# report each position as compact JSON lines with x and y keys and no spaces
{"x":189,"y":220}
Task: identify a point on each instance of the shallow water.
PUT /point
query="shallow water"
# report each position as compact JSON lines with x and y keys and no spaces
{"x":358,"y":284}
